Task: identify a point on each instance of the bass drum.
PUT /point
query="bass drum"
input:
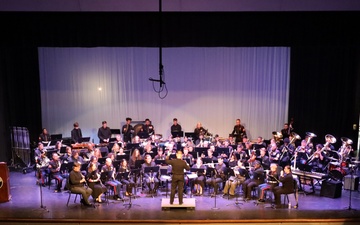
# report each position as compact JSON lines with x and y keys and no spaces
{"x":137,"y":128}
{"x":337,"y":174}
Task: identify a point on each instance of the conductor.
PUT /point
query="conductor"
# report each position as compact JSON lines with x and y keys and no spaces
{"x":178,"y":166}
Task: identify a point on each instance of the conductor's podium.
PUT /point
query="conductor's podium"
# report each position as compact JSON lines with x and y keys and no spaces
{"x":188,"y":203}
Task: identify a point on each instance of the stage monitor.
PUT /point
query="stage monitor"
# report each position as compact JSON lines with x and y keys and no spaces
{"x":177,"y":134}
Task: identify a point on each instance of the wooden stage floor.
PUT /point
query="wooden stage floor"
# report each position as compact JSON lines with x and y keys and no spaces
{"x":24,"y":207}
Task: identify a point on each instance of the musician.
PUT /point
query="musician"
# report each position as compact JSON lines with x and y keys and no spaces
{"x":301,"y":154}
{"x":318,"y":161}
{"x":94,"y":160}
{"x":248,"y":147}
{"x":116,"y":185}
{"x":127,"y":130}
{"x":44,"y":136}
{"x":134,"y":156}
{"x":258,"y":178}
{"x":233,"y":160}
{"x":148,"y":128}
{"x":286,"y":131}
{"x":287,"y":187}
{"x":287,"y":152}
{"x":242,"y":154}
{"x":150,"y":177}
{"x":115,"y":149}
{"x":90,"y":152}
{"x":178,"y":166}
{"x":67,"y":156}
{"x":97,"y":153}
{"x":76,"y":182}
{"x":76,"y":158}
{"x":94,"y":182}
{"x":104,"y":133}
{"x":240,"y":175}
{"x":186,"y":156}
{"x":271,"y":181}
{"x":160,"y":155}
{"x":218,"y":176}
{"x":260,"y":141}
{"x":210,"y":155}
{"x":264,"y":159}
{"x":148,"y":149}
{"x":127,"y":180}
{"x":232,"y":140}
{"x":42,"y":166}
{"x":239,"y":131}
{"x":136,"y":139}
{"x":217,"y":142}
{"x":76,"y":133}
{"x":198,"y":131}
{"x":54,"y":167}
{"x":39,"y":150}
{"x":175,"y":127}
{"x":199,"y":182}
{"x":274,"y":154}
{"x":200,"y":141}
{"x":57,"y":147}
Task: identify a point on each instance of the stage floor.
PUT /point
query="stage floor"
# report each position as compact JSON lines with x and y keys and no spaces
{"x":25,"y":206}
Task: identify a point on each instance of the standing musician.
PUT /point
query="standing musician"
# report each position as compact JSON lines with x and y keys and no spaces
{"x":150,"y":177}
{"x":287,"y":187}
{"x":240,"y":175}
{"x":239,"y":131}
{"x":286,"y":131}
{"x":218,"y":176}
{"x":271,"y":181}
{"x":44,"y":136}
{"x":257,"y":178}
{"x":287,"y":152}
{"x":76,"y":133}
{"x":94,"y":182}
{"x":178,"y":166}
{"x":199,"y":182}
{"x":199,"y":130}
{"x":148,"y":128}
{"x":175,"y":127}
{"x":54,"y":167}
{"x":127,"y":130}
{"x":127,"y":180}
{"x":77,"y":182}
{"x":104,"y":133}
{"x":116,"y":185}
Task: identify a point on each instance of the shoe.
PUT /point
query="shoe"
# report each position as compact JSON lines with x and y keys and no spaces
{"x":180,"y":203}
{"x":117,"y":197}
{"x":261,"y":200}
{"x":57,"y":191}
{"x":224,"y":195}
{"x":171,"y":203}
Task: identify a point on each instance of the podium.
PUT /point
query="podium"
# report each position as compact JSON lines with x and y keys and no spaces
{"x":4,"y":183}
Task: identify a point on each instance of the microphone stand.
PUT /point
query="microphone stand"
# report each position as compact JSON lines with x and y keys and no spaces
{"x":42,"y":207}
{"x":212,"y":181}
{"x":351,"y":186}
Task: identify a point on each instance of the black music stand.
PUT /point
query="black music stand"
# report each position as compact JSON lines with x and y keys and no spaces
{"x":136,"y":173}
{"x":160,"y":162}
{"x":152,"y":169}
{"x":212,"y":171}
{"x":177,"y":134}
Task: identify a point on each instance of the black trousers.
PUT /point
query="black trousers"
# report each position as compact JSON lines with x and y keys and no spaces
{"x":177,"y":182}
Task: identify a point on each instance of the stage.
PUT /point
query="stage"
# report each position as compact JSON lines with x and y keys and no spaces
{"x":25,"y":207}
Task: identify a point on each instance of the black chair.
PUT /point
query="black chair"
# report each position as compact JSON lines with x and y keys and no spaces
{"x":296,"y":195}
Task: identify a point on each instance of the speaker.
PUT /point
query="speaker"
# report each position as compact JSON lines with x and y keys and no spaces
{"x":331,"y":189}
{"x":352,"y":184}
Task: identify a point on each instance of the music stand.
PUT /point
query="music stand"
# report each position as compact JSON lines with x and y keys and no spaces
{"x":160,"y":162}
{"x":121,"y":157}
{"x":164,"y":176}
{"x":220,"y":151}
{"x":84,"y":139}
{"x":139,"y":162}
{"x":177,"y":134}
{"x":132,"y":146}
{"x":197,"y":171}
{"x":136,"y":173}
{"x":236,"y":203}
{"x":211,"y":171}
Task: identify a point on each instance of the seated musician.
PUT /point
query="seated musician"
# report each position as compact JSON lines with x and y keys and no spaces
{"x":239,"y":131}
{"x":127,"y":180}
{"x":75,"y":157}
{"x":57,"y":147}
{"x":248,"y":147}
{"x":257,"y":178}
{"x":199,"y":182}
{"x":240,"y":175}
{"x":264,"y":159}
{"x":116,"y":185}
{"x":216,"y":142}
{"x":271,"y":181}
{"x":188,"y":157}
{"x":94,"y":160}
{"x":97,"y":153}
{"x":150,"y":178}
{"x":287,"y":152}
{"x":44,"y":136}
{"x":42,"y":167}
{"x":318,"y":160}
{"x":287,"y":187}
{"x":90,"y":152}
{"x":260,"y":141}
{"x":104,"y":133}
{"x":232,"y":140}
{"x":77,"y":182}
{"x":76,"y":133}
{"x":134,"y":156}
{"x":218,"y":176}
{"x":160,"y":155}
{"x":274,"y":154}
{"x":199,"y":130}
{"x":148,"y":149}
{"x":94,"y":182}
{"x":54,"y":167}
{"x":115,"y":149}
{"x":200,"y":141}
{"x":40,"y":150}
{"x":301,"y":155}
{"x":210,"y":155}
{"x":66,"y":157}
{"x":232,"y":161}
{"x":242,"y":154}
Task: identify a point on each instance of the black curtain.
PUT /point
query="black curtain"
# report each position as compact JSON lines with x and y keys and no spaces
{"x":324,"y":96}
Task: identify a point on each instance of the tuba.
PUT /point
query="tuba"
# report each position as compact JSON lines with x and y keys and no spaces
{"x":294,"y":137}
{"x":309,"y":136}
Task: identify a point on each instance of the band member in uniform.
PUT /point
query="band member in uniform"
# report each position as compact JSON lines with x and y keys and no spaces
{"x":40,"y":150}
{"x":42,"y":166}
{"x":44,"y":136}
{"x":76,"y":158}
{"x":302,"y":154}
{"x":178,"y":166}
{"x":287,"y":187}
{"x":287,"y":152}
{"x":127,"y":130}
{"x":54,"y":167}
{"x":199,"y":182}
{"x":218,"y":176}
{"x":94,"y":182}
{"x":286,"y":131}
{"x":111,"y":180}
{"x":240,"y":175}
{"x":264,"y":159}
{"x":258,"y":178}
{"x":104,"y":133}
{"x":150,"y":177}
{"x":76,"y":133}
{"x":77,"y":182}
{"x":239,"y":131}
{"x":317,"y":162}
{"x":271,"y":181}
{"x":274,"y":154}
{"x":175,"y":127}
{"x":198,"y":130}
